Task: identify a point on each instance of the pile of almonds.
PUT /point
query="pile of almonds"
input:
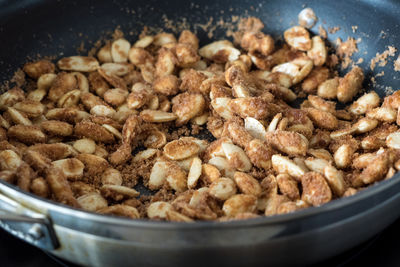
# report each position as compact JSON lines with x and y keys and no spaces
{"x":141,"y":104}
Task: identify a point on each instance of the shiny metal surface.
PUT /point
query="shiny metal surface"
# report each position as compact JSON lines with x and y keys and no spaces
{"x":29,"y":225}
{"x":97,"y":240}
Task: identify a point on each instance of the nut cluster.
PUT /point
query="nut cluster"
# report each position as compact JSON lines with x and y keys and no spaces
{"x":72,"y":136}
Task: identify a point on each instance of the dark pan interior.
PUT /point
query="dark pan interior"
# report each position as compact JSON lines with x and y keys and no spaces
{"x":31,"y":29}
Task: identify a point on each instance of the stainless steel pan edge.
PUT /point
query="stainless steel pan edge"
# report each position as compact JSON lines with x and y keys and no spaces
{"x":97,"y":240}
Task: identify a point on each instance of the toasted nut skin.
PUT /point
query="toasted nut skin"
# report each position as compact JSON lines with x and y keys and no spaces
{"x":222,"y":189}
{"x":9,"y":160}
{"x":187,"y":106}
{"x":385,"y":114}
{"x":393,"y":140}
{"x":26,"y":134}
{"x":176,"y":178}
{"x":335,"y":180}
{"x":144,"y":41}
{"x":220,"y":51}
{"x":104,"y":53}
{"x":210,"y":173}
{"x":260,"y":153}
{"x":343,"y":156}
{"x":350,"y":85}
{"x":37,"y":160}
{"x":236,"y":156}
{"x":63,"y":83}
{"x":58,"y":128}
{"x":257,"y":42}
{"x":121,"y":210}
{"x":119,"y":50}
{"x":11,"y":97}
{"x":283,"y":164}
{"x":194,"y":172}
{"x":328,"y":89}
{"x":318,"y":52}
{"x":93,"y":164}
{"x":392,"y":101}
{"x":18,"y":117}
{"x":239,"y":203}
{"x":60,"y":187}
{"x":247,"y":184}
{"x":288,"y":186}
{"x":254,"y":107}
{"x":158,"y":175}
{"x":298,"y":69}
{"x":316,"y":190}
{"x":365,"y":103}
{"x":290,"y":143}
{"x":118,"y":192}
{"x":187,"y":37}
{"x":177,"y":217}
{"x":24,"y":175}
{"x":307,"y":18}
{"x":72,"y":168}
{"x":365,"y":125}
{"x":158,"y":210}
{"x":53,"y":151}
{"x":93,"y":131}
{"x":186,"y":54}
{"x":78,"y":63}
{"x":92,"y":201}
{"x":323,"y":119}
{"x":30,"y":107}
{"x":111,"y":176}
{"x":316,"y":164}
{"x":321,"y":104}
{"x":167,"y":85}
{"x":181,"y":149}
{"x":316,"y":77}
{"x":157,"y":116}
{"x":238,"y":133}
{"x":115,"y":97}
{"x":377,"y":170}
{"x":298,"y":38}
{"x":40,"y":187}
{"x":38,"y":68}
{"x":85,"y":145}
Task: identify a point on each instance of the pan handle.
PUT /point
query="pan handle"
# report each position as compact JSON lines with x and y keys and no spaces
{"x":30,"y":226}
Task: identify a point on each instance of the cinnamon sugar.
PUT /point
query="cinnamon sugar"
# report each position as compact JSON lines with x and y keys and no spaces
{"x":322,"y":32}
{"x":333,"y":30}
{"x":381,"y":59}
{"x":396,"y":64}
{"x":345,"y":50}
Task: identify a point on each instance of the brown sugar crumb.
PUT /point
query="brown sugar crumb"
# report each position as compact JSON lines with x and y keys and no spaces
{"x":131,"y":173}
{"x":333,"y":30}
{"x":345,"y":50}
{"x":196,"y":129}
{"x":396,"y":64}
{"x":382,"y":58}
{"x":117,"y":34}
{"x":18,"y":78}
{"x":322,"y":32}
{"x":163,"y":195}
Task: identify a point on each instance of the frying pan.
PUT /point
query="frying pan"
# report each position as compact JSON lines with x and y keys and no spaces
{"x":29,"y":28}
